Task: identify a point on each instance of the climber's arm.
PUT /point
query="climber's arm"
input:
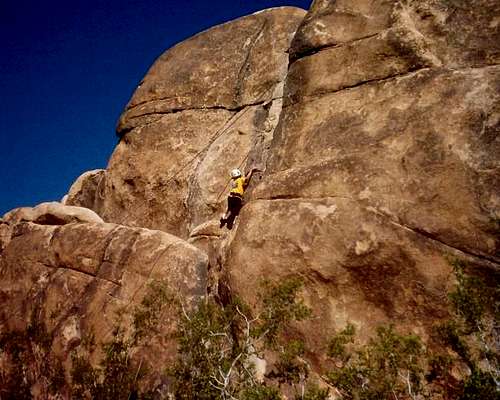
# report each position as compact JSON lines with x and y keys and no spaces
{"x":249,"y":175}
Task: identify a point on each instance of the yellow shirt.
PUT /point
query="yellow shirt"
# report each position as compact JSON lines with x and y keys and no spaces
{"x":238,"y":186}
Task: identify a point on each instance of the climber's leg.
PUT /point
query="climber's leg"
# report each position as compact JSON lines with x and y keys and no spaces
{"x":234,"y":204}
{"x":226,"y":215}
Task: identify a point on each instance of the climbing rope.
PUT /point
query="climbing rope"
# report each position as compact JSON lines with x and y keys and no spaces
{"x":218,"y":134}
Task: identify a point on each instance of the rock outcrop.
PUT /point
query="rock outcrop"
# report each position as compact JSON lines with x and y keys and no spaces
{"x":52,"y":213}
{"x":385,"y":160}
{"x":376,"y":125}
{"x":203,"y":106}
{"x":79,"y":280}
{"x":85,"y":192}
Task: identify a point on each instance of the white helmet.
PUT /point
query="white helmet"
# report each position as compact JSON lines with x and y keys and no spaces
{"x":235,"y":173}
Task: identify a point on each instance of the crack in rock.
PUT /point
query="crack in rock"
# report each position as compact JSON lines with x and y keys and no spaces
{"x":491,"y":261}
{"x":319,"y":49}
{"x":410,"y":72}
{"x":429,"y":236}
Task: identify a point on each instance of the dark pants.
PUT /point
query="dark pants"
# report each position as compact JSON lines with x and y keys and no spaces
{"x":234,"y":204}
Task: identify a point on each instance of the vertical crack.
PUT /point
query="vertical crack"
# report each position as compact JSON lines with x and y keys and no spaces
{"x":246,"y":64}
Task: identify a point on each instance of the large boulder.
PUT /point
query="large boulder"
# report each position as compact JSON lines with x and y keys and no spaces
{"x":79,"y":281}
{"x":383,"y":166}
{"x":207,"y":105}
{"x":456,"y":33}
{"x":51,"y":213}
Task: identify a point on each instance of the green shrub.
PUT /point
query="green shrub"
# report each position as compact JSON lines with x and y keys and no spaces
{"x":290,"y":368}
{"x":470,"y":298}
{"x":389,"y":365}
{"x":261,"y":392}
{"x":337,"y":344}
{"x":280,"y":305}
{"x":451,"y":334}
{"x":146,"y":316}
{"x":30,"y":362}
{"x":480,"y":386}
{"x":474,"y":332}
{"x":114,"y":378}
{"x":216,"y":343}
{"x":313,"y":392}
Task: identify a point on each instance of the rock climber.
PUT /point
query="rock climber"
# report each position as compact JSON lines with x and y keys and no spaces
{"x":235,"y":199}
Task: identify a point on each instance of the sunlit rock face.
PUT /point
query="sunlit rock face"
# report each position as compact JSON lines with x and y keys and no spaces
{"x":206,"y":105}
{"x":385,"y":161}
{"x":376,"y":125}
{"x":86,"y":191}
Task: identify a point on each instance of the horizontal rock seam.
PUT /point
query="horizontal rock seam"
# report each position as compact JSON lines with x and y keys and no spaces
{"x":312,"y":97}
{"x":319,"y":49}
{"x":207,"y":108}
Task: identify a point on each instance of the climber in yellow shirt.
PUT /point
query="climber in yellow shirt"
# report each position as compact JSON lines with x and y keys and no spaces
{"x":235,"y":199}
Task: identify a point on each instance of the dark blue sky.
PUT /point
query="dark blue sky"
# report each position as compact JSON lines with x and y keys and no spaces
{"x":68,"y":68}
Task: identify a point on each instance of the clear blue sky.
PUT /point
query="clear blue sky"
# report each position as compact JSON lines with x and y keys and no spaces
{"x":68,"y":68}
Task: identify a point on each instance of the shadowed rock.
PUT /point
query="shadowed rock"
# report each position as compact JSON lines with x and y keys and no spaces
{"x":85,"y":191}
{"x":82,"y":280}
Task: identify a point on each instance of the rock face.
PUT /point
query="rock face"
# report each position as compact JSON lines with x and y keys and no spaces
{"x":51,"y":214}
{"x":202,"y":108}
{"x":384,"y":161}
{"x":85,"y":192}
{"x":77,"y":280}
{"x":379,"y":142}
{"x":452,"y":33}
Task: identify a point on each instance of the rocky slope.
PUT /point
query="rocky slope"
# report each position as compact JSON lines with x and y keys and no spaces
{"x":376,"y":125}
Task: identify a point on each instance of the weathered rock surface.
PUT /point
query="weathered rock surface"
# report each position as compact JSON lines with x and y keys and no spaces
{"x":206,"y":105}
{"x":226,"y":67}
{"x":454,"y":33}
{"x":52,"y":213}
{"x":385,"y":160}
{"x":85,"y":192}
{"x":380,"y":143}
{"x":422,"y":149}
{"x":4,"y":234}
{"x":78,"y":280}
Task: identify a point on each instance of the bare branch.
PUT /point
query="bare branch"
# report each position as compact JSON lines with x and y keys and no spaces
{"x":184,"y":312}
{"x":408,"y":383}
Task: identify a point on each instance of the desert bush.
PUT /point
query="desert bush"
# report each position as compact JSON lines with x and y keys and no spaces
{"x":390,"y":365}
{"x":216,"y":345}
{"x":473,"y":333}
